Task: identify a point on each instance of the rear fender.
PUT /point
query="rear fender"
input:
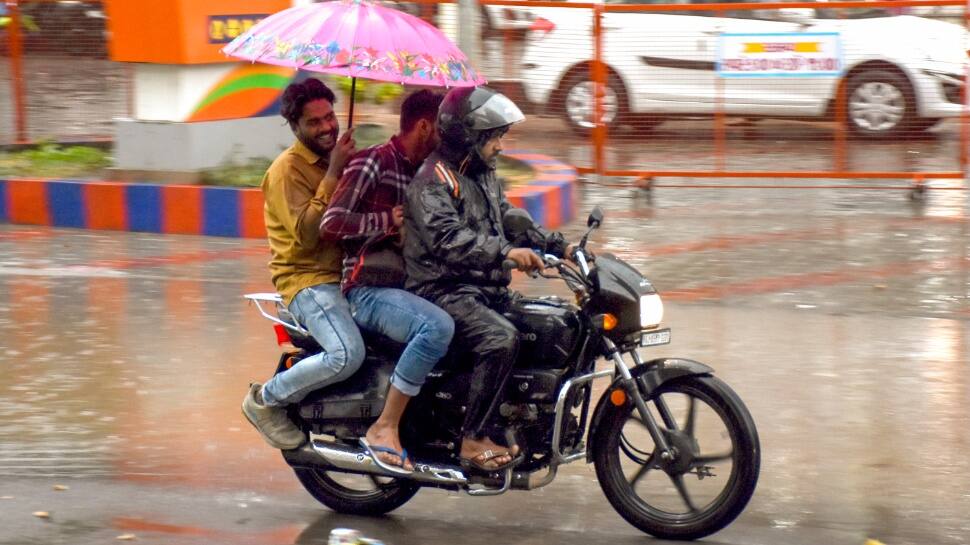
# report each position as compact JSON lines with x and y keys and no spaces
{"x":650,"y":376}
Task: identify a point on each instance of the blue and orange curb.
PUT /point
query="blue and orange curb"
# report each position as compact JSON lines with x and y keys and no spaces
{"x":223,"y":211}
{"x":551,"y":197}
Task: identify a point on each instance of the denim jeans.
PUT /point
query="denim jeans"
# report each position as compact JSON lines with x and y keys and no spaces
{"x":324,"y":311}
{"x":405,"y":318}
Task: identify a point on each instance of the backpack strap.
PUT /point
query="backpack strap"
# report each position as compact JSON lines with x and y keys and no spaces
{"x":447,"y":177}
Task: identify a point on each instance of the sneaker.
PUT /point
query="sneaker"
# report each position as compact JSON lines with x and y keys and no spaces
{"x":271,"y":422}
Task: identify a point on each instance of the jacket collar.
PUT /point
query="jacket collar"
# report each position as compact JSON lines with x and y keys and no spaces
{"x":398,"y":148}
{"x":466,"y":162}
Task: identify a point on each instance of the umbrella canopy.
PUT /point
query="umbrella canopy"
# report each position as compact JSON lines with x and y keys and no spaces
{"x":356,"y":38}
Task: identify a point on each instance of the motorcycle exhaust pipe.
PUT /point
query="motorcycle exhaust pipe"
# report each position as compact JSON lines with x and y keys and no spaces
{"x":329,"y":456}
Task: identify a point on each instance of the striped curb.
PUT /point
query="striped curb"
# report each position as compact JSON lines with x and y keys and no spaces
{"x":222,"y":211}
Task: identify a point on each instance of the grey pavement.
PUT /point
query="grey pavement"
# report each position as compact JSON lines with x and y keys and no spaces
{"x":841,"y":317}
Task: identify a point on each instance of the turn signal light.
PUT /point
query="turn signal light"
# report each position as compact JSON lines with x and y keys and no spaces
{"x":605,"y":322}
{"x":609,"y":322}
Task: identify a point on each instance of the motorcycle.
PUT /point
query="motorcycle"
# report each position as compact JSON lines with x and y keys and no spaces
{"x":675,"y":450}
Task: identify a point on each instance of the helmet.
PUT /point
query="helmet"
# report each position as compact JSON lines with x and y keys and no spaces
{"x":468,"y":113}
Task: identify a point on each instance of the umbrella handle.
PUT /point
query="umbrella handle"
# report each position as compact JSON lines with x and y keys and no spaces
{"x":353,"y":92}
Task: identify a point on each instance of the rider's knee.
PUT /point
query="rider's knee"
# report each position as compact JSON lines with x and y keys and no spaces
{"x":505,"y":339}
{"x":350,"y":359}
{"x":439,"y":329}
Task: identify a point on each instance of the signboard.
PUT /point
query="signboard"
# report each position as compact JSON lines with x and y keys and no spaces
{"x":794,"y":54}
{"x":225,"y":28}
{"x":185,"y":32}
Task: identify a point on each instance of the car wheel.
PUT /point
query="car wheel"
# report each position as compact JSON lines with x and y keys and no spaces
{"x":576,"y":106}
{"x":881,"y":104}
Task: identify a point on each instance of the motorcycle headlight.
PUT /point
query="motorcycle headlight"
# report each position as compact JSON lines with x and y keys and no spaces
{"x":651,"y":311}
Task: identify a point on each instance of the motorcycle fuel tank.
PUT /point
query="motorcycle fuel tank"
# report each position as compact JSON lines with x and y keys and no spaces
{"x":549,"y":331}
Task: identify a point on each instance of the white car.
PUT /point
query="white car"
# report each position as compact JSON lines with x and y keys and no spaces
{"x":902,"y":73}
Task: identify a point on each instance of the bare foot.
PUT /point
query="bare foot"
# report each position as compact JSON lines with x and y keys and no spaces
{"x":379,"y":435}
{"x":486,"y":453}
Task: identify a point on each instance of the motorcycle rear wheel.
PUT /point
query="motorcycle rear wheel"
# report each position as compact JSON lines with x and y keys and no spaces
{"x":659,"y":501}
{"x":367,"y":495}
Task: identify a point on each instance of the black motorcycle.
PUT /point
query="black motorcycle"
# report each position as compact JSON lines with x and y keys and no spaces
{"x":675,"y":450}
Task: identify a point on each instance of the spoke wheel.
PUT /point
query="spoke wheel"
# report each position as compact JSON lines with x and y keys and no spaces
{"x":356,"y":494}
{"x":713,"y":473}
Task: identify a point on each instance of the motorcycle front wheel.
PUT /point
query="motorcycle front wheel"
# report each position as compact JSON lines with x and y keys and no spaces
{"x":353,"y":494}
{"x":714,"y":471}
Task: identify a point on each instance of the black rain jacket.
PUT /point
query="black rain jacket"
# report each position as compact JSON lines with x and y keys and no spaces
{"x":453,"y":222}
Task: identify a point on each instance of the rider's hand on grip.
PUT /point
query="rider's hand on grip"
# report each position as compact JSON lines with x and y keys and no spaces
{"x":525,"y":259}
{"x":573,"y":248}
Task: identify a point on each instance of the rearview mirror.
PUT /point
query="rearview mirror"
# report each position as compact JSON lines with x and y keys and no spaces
{"x":516,"y":222}
{"x":595,"y":217}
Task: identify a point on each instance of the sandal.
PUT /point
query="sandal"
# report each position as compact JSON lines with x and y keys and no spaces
{"x":372,"y":450}
{"x":488,"y":455}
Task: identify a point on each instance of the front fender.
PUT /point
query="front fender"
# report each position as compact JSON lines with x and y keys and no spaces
{"x":651,"y":375}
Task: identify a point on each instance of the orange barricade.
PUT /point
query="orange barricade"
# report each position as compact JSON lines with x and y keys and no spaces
{"x":782,"y":90}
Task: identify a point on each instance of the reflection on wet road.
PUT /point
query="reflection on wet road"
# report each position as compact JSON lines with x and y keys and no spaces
{"x":842,"y":319}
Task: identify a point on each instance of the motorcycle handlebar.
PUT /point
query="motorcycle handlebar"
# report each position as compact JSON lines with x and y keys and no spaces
{"x":508,"y":265}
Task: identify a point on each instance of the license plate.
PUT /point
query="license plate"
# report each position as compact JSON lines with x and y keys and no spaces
{"x":655,"y":338}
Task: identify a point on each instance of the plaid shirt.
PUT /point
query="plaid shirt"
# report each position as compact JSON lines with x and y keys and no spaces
{"x":373,"y":183}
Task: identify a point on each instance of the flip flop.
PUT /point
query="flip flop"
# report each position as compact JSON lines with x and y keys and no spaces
{"x":470,"y":463}
{"x":373,"y":450}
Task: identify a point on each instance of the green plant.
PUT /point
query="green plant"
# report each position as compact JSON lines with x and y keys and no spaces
{"x":49,"y":159}
{"x":247,"y":174}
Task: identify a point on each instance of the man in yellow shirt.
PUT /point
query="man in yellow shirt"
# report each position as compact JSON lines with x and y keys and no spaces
{"x":306,"y":270}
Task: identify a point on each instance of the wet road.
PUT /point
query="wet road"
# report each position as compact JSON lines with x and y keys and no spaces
{"x":842,"y":318}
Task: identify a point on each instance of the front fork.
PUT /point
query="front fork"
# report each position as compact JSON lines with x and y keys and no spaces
{"x":630,"y":385}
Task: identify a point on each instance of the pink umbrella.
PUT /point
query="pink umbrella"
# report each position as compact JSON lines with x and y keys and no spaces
{"x":356,"y":38}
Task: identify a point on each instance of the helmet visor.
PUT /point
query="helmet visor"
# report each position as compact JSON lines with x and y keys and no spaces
{"x":497,"y":111}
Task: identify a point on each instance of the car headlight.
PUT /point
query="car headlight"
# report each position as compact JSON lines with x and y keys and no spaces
{"x":651,"y":311}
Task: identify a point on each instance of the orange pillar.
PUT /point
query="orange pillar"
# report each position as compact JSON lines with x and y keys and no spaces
{"x":599,"y":81}
{"x":17,"y":71}
{"x":965,"y":115}
{"x":719,"y":123}
{"x":841,"y":119}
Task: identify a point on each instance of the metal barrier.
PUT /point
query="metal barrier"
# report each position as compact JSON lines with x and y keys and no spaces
{"x":53,"y":59}
{"x":795,"y":90}
{"x":834,"y":90}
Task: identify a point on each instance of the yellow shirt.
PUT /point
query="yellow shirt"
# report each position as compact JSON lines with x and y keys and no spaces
{"x":296,"y":191}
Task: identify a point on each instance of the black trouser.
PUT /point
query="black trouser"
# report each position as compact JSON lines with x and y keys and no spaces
{"x":486,"y":339}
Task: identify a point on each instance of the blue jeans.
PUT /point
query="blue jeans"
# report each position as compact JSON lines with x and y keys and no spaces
{"x":324,"y":311}
{"x":405,"y":318}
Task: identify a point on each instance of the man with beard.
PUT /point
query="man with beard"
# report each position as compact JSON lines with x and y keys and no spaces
{"x":305,"y":269}
{"x":367,"y":209}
